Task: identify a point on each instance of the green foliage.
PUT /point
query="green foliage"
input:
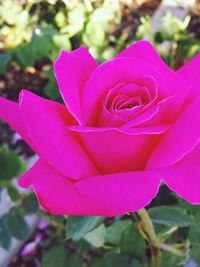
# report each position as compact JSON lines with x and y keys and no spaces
{"x":169,"y":215}
{"x":5,"y":237}
{"x":13,"y":192}
{"x":56,"y":256}
{"x":4,"y":60}
{"x":30,"y":204}
{"x":195,"y":252}
{"x":10,"y":164}
{"x":78,"y":226}
{"x":172,"y":40}
{"x":132,"y":242}
{"x":116,"y":260}
{"x":74,"y":261}
{"x":96,"y":237}
{"x":169,"y":259}
{"x":12,"y":223}
{"x":114,"y":231}
{"x":16,"y":224}
{"x":51,"y":89}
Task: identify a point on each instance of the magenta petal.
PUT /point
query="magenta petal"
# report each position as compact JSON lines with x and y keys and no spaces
{"x":111,"y":73}
{"x":184,"y":176}
{"x":55,"y":193}
{"x":190,"y":72}
{"x":26,"y":179}
{"x":46,"y":123}
{"x":119,"y":150}
{"x":10,"y":113}
{"x":143,"y":50}
{"x":181,"y":138}
{"x":72,"y":70}
{"x":116,"y":194}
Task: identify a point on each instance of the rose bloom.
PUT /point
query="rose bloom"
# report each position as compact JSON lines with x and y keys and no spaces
{"x":126,"y":126}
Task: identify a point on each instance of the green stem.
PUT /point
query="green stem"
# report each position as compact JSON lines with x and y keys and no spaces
{"x":172,"y":250}
{"x":147,"y":228}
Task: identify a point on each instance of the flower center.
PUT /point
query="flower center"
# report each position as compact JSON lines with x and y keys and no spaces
{"x":124,"y":100}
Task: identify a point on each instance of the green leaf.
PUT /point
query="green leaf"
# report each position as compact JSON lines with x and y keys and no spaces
{"x":195,"y":252}
{"x":194,"y":231}
{"x":114,"y":231}
{"x":25,"y":54}
{"x":132,"y":242}
{"x":16,"y":224}
{"x":13,"y":193}
{"x":43,"y":45}
{"x":30,"y":204}
{"x":191,"y":209}
{"x":74,"y":261}
{"x":4,"y":59}
{"x":5,"y":237}
{"x":56,"y":256}
{"x":47,"y":30}
{"x":135,"y":263}
{"x":168,"y":215}
{"x":10,"y":164}
{"x":78,"y":226}
{"x":169,"y":259}
{"x":62,"y":41}
{"x":94,"y":34}
{"x":96,"y":237}
{"x":116,"y":260}
{"x":51,"y":91}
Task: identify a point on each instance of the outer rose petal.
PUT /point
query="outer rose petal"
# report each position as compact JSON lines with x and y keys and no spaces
{"x":181,"y":138}
{"x":111,"y":73}
{"x":116,"y":194}
{"x":119,"y":150}
{"x":105,"y":195}
{"x":46,"y":123}
{"x":184,"y":176}
{"x":144,"y":51}
{"x":72,"y":71}
{"x":10,"y":113}
{"x":190,"y":72}
{"x":55,"y":193}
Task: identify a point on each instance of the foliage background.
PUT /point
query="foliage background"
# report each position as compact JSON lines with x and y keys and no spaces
{"x":31,"y":35}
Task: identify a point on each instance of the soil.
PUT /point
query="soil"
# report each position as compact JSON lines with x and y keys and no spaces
{"x":11,"y":84}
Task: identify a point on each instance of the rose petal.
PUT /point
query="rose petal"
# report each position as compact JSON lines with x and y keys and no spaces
{"x":117,"y":150}
{"x":181,"y":138}
{"x":10,"y":113}
{"x":106,"y":76}
{"x":184,"y":176}
{"x":55,"y":193}
{"x":142,"y":118}
{"x":190,"y":72}
{"x":116,"y":194}
{"x":143,"y":50}
{"x":46,"y":123}
{"x":72,"y":70}
{"x":105,"y":195}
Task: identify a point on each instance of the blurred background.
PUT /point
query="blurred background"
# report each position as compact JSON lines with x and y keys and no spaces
{"x":32,"y":32}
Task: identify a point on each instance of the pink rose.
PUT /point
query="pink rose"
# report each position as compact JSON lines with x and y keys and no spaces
{"x":128,"y":125}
